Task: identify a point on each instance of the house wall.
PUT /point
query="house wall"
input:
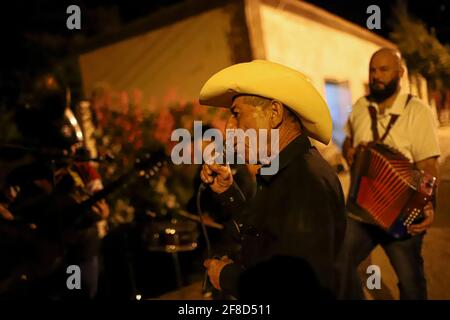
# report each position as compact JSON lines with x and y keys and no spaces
{"x":172,"y":62}
{"x":319,"y":51}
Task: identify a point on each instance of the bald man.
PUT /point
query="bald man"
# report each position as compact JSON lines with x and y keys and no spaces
{"x":406,"y":124}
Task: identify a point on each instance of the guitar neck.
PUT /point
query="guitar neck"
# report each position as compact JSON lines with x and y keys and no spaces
{"x":113,"y":186}
{"x":110,"y":188}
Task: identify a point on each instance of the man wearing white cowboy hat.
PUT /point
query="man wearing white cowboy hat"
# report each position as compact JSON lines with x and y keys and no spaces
{"x":296,"y":212}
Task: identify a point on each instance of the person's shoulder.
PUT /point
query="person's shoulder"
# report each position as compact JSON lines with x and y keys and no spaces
{"x":318,"y":170}
{"x":360,"y":104}
{"x":362,"y":101}
{"x":419,"y":107}
{"x":417,"y":103}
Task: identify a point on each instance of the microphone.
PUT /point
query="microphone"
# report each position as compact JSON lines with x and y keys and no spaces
{"x":204,"y":185}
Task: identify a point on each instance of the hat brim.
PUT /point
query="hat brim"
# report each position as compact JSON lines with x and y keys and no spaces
{"x":274,"y":81}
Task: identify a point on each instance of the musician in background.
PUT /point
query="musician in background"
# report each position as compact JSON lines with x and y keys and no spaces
{"x":59,"y":182}
{"x":406,"y":124}
{"x":297,"y":213}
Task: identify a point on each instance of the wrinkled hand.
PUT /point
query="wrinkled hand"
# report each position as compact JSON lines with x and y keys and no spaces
{"x":101,"y":208}
{"x":214,"y":268}
{"x":219,"y":177}
{"x":428,"y":212}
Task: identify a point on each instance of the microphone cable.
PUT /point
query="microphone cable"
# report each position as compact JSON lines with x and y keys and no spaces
{"x":202,"y":187}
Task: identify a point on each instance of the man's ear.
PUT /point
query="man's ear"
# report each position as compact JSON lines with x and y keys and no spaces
{"x":276,"y":114}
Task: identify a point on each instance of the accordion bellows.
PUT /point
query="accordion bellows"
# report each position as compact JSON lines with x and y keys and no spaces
{"x":386,"y":189}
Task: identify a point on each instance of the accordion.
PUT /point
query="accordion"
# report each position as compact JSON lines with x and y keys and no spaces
{"x":386,"y":189}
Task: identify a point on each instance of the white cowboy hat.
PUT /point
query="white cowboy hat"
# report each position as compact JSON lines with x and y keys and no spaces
{"x":274,"y":81}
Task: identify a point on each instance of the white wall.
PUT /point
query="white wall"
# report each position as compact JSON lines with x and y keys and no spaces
{"x":319,"y":51}
{"x":174,"y":60}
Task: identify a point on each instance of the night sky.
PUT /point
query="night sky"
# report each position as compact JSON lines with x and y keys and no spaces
{"x":435,"y":14}
{"x":49,"y":16}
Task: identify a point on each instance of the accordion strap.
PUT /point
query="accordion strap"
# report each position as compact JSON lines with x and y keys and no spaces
{"x":392,"y":121}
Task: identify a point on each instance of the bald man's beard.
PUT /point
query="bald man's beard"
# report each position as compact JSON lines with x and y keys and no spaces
{"x":379,"y":95}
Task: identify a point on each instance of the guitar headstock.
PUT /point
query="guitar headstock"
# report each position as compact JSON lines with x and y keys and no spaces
{"x":149,"y":164}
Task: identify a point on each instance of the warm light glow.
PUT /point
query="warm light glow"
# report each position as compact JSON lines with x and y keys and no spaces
{"x":170,"y":231}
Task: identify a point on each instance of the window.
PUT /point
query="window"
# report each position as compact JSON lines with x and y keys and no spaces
{"x":339,"y":101}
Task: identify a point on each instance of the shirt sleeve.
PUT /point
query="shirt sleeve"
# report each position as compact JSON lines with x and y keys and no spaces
{"x":233,"y":200}
{"x":229,"y":278}
{"x":348,"y":128}
{"x":425,"y":142}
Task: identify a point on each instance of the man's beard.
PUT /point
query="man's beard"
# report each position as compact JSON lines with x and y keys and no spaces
{"x":379,"y":95}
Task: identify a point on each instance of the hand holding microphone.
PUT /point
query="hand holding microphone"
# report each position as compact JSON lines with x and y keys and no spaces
{"x":217,"y":176}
